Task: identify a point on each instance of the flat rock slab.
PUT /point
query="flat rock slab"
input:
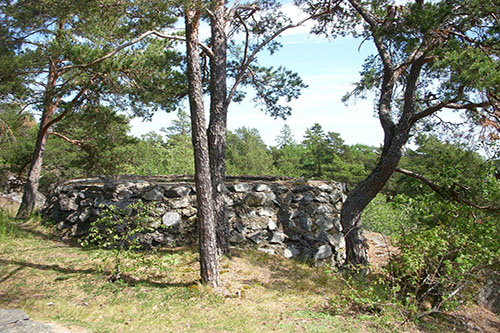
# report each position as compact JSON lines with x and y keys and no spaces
{"x":17,"y":321}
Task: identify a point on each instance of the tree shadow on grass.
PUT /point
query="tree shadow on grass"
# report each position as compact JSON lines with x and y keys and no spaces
{"x":285,"y":274}
{"x":128,"y":279}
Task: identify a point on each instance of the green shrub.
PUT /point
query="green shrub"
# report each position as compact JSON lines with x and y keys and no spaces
{"x":7,"y":226}
{"x":444,"y":256}
{"x":119,"y":231}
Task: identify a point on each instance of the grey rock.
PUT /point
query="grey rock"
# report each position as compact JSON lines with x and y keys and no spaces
{"x":325,"y":188}
{"x":323,"y":252}
{"x":40,"y":200}
{"x":78,"y":230}
{"x":489,"y":296}
{"x":178,"y":192}
{"x":324,"y":223}
{"x":158,"y":237}
{"x":140,"y":186}
{"x":276,"y":238}
{"x":272,"y":225}
{"x":301,"y":188}
{"x":180,"y":203}
{"x":240,"y":227}
{"x":243,"y":187}
{"x":337,"y":224}
{"x":265,"y":211}
{"x":236,"y":238}
{"x":323,"y":198}
{"x":257,"y":237}
{"x":73,"y":217}
{"x":171,"y":219}
{"x":307,"y":198}
{"x":262,"y":188}
{"x":228,"y":201}
{"x":11,"y":316}
{"x":291,"y":252}
{"x":266,"y":250}
{"x":337,"y":241}
{"x":256,"y":199}
{"x":189,"y":211}
{"x":306,"y":254}
{"x":254,"y":221}
{"x":67,"y":204}
{"x":271,"y":197}
{"x":335,"y":197}
{"x":17,"y":321}
{"x":305,"y":223}
{"x":122,"y":192}
{"x":153,"y":195}
{"x":324,"y":209}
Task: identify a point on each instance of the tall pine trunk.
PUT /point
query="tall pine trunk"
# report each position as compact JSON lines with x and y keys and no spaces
{"x":209,"y":264}
{"x":218,"y":123}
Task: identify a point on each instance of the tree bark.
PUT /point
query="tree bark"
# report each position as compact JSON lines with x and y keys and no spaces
{"x":363,"y":194}
{"x":218,"y":122}
{"x":209,"y":264}
{"x":33,"y":179}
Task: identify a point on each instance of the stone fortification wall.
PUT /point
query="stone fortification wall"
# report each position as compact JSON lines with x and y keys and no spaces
{"x":294,"y":219}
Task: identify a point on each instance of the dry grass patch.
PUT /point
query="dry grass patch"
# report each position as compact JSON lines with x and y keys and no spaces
{"x":58,"y":282}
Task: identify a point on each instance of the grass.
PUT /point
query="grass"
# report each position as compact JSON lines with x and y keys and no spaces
{"x":62,"y":283}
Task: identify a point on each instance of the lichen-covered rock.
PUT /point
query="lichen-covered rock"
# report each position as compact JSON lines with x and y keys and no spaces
{"x":171,"y":219}
{"x":293,"y":219}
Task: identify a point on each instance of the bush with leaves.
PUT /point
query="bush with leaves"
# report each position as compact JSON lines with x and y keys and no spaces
{"x":119,"y":230}
{"x":447,"y":233}
{"x":448,"y":252}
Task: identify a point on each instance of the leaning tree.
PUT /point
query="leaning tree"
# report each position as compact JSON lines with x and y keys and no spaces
{"x":432,"y":56}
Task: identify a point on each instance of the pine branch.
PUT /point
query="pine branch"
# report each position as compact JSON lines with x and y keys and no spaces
{"x":451,"y":193}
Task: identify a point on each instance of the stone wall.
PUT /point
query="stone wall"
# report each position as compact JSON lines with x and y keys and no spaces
{"x":290,"y":218}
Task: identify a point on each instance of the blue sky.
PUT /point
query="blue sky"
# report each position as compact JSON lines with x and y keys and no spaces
{"x":328,"y":67}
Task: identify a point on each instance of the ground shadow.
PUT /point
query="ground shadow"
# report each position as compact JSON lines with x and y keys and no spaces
{"x":128,"y":279}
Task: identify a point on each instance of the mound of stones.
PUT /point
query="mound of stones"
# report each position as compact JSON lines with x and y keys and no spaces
{"x":295,"y":219}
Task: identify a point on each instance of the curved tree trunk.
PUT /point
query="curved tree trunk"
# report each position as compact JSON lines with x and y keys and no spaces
{"x":209,"y":263}
{"x":33,"y":179}
{"x":363,"y":194}
{"x":218,"y":123}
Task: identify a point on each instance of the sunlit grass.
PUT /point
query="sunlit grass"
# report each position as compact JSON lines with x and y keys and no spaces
{"x":160,"y":292}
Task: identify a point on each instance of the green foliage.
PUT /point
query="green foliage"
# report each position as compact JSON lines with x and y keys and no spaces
{"x":119,"y":229}
{"x":326,"y":156}
{"x":390,"y":218}
{"x":247,"y":154}
{"x":446,"y":246}
{"x":372,"y":294}
{"x":16,"y":138}
{"x":7,"y":227}
{"x":99,"y":133}
{"x":447,"y":252}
